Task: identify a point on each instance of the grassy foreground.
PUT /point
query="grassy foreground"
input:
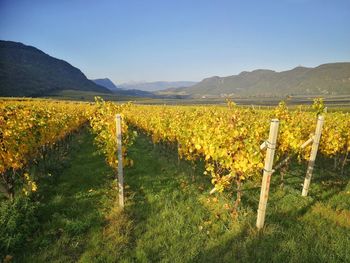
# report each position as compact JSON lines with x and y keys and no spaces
{"x":170,"y":217}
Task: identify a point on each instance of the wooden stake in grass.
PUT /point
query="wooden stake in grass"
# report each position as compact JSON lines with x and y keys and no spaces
{"x":118,"y":120}
{"x":265,"y":186}
{"x":313,"y":154}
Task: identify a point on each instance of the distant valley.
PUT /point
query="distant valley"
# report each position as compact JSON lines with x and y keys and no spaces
{"x":107,"y":83}
{"x":157,"y":85}
{"x":27,"y":71}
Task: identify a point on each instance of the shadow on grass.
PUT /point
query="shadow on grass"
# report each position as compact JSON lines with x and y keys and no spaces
{"x":170,"y":217}
{"x":71,"y":205}
{"x":172,"y":225}
{"x":295,"y":228}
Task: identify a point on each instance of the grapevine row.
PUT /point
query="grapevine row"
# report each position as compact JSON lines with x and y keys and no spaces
{"x":228,"y":139}
{"x":103,"y":124}
{"x":27,"y":129}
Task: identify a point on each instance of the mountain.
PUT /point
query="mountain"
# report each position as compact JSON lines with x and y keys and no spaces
{"x":107,"y":83}
{"x":27,"y":71}
{"x":155,"y":86}
{"x":326,"y":79}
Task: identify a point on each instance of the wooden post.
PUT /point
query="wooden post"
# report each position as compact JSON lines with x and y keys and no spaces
{"x":120,"y":160}
{"x":313,"y":154}
{"x":265,"y":186}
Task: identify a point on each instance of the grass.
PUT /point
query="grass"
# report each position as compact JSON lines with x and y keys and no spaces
{"x":180,"y":222}
{"x":170,"y":217}
{"x":74,"y":207}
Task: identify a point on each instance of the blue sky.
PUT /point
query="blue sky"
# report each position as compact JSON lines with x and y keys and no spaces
{"x":148,"y":40}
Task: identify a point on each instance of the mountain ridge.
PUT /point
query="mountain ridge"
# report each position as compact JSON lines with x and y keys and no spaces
{"x":28,"y":71}
{"x":325,"y":79}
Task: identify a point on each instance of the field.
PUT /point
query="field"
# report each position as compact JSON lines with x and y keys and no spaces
{"x":72,"y":213}
{"x":334,"y":102}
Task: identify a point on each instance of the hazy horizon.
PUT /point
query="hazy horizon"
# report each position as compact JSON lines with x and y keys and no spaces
{"x":128,"y":41}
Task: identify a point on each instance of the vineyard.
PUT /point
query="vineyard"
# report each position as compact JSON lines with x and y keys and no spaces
{"x":223,"y":149}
